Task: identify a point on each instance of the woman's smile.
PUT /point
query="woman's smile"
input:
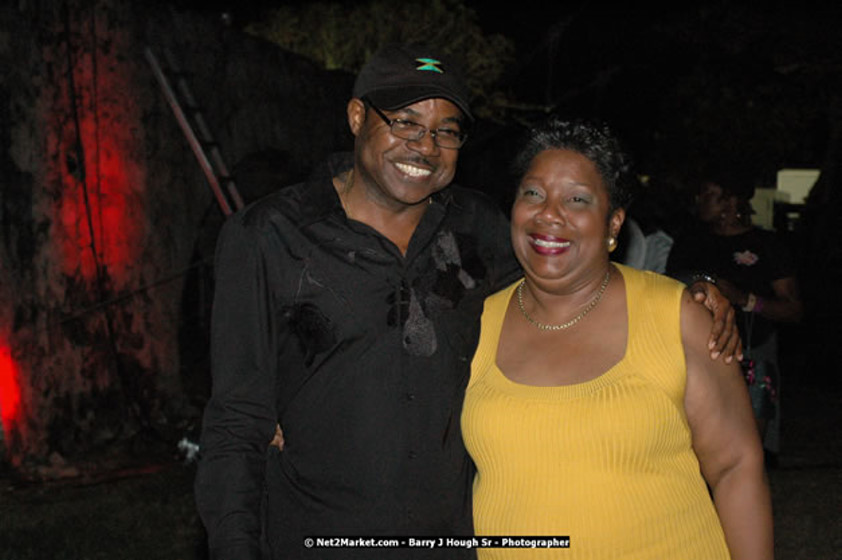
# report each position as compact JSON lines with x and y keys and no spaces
{"x":547,"y":244}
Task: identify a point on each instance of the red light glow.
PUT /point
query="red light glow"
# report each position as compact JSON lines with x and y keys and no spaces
{"x":100,"y":202}
{"x":9,"y":390}
{"x":108,"y":203}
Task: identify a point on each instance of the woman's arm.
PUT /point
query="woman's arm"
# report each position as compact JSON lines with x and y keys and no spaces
{"x":726,"y":441}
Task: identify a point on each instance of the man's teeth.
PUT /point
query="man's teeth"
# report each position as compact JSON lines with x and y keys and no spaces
{"x":550,"y":244}
{"x":413,"y":171}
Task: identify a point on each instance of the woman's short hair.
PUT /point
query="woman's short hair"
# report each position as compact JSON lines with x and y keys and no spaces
{"x":594,"y":141}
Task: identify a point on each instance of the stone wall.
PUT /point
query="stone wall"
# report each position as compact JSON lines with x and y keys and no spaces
{"x":107,"y":223}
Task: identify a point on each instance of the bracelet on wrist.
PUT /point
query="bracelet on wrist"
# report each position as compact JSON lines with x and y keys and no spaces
{"x":703,"y":277}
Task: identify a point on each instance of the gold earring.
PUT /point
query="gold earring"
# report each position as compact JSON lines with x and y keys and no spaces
{"x":612,"y":244}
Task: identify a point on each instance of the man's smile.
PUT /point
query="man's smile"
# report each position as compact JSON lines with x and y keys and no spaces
{"x":413,"y":171}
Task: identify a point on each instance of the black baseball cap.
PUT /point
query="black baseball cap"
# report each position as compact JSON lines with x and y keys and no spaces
{"x":400,"y":75}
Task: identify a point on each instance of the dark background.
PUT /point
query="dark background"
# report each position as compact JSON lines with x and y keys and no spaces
{"x":682,"y":83}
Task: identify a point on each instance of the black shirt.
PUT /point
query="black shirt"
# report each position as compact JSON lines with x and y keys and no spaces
{"x":362,"y":354}
{"x":752,"y":261}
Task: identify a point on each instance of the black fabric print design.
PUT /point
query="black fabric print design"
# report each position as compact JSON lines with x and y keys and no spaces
{"x":453,"y":277}
{"x":412,"y":307}
{"x":405,"y":309}
{"x":419,"y":333}
{"x":398,"y":302}
{"x":314,"y":330}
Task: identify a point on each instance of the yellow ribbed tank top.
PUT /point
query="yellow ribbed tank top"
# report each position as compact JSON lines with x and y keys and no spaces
{"x":607,"y":462}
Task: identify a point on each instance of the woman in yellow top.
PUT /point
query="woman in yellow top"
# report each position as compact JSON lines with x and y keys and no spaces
{"x":593,"y":409}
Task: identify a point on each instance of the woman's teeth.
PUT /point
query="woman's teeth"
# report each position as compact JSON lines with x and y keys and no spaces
{"x":550,"y":244}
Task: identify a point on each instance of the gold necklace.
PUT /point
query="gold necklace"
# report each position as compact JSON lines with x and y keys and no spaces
{"x":571,"y":322}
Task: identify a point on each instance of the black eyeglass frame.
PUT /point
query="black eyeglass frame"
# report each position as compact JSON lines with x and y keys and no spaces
{"x":422,"y":130}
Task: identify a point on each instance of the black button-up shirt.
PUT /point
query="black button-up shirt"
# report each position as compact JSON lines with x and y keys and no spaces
{"x":362,"y":354}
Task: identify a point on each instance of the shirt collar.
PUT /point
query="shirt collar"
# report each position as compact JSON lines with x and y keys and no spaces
{"x":319,"y":199}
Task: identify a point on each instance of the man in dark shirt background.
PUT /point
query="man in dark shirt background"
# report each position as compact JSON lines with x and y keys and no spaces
{"x":347,"y":311}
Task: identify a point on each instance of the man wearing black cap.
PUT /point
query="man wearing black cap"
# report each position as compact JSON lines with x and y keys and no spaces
{"x":347,"y":310}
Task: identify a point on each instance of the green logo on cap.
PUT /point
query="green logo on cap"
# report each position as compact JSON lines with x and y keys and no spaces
{"x":429,"y":64}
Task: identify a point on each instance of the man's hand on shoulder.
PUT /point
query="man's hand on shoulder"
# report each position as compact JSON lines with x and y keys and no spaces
{"x":724,"y":337}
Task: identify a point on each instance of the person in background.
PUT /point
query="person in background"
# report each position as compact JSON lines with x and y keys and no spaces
{"x":593,"y":409}
{"x":649,"y":228}
{"x":755,"y":270}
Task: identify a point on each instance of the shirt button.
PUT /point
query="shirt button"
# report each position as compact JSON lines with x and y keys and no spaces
{"x":410,"y":396}
{"x":413,"y":455}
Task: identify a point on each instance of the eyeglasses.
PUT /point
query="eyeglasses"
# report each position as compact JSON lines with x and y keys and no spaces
{"x":448,"y":138}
